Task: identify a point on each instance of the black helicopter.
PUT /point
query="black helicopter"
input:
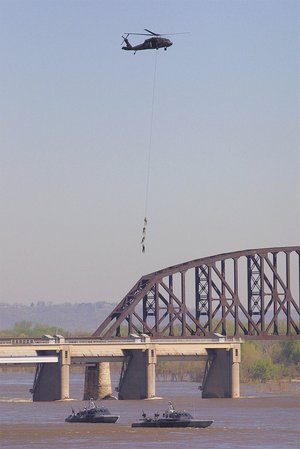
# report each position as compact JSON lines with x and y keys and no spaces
{"x":155,"y":42}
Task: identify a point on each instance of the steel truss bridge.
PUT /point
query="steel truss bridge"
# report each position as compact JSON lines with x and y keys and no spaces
{"x":252,"y":294}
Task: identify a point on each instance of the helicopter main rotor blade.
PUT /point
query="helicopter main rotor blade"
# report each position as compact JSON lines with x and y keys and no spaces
{"x":138,"y":34}
{"x":151,"y":32}
{"x":173,"y":34}
{"x":166,"y":34}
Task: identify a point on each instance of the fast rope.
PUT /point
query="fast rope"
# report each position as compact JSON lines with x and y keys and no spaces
{"x":149,"y":159}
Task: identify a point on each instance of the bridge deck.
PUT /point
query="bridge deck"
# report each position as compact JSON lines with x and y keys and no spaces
{"x":85,"y":351}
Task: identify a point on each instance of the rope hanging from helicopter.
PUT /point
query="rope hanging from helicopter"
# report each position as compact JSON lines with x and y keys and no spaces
{"x":154,"y":42}
{"x":148,"y":159}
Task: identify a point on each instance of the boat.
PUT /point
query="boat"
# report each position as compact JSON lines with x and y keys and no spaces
{"x":171,"y":418}
{"x":92,"y":414}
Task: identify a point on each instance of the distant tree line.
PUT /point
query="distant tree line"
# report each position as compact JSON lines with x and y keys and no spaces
{"x":26,"y":329}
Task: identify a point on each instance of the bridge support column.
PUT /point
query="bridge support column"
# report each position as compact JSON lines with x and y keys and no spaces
{"x":51,"y":381}
{"x":65,"y":361}
{"x":151,"y":365}
{"x":97,"y":383}
{"x":235,"y":371}
{"x":138,"y":376}
{"x":47,"y":382}
{"x":222,"y":378}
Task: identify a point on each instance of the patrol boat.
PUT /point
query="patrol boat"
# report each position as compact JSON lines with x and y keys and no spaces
{"x":93,"y":414}
{"x":171,"y":418}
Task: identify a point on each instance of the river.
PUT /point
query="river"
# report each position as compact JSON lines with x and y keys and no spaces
{"x":264,"y":417}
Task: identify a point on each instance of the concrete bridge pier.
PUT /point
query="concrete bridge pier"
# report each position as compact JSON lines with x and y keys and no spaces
{"x":222,"y":374}
{"x":151,"y":372}
{"x":65,"y":362}
{"x":51,"y":381}
{"x":138,"y":375}
{"x":235,"y":372}
{"x":97,"y":382}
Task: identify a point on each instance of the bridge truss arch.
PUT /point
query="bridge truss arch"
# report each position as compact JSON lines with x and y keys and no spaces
{"x":253,"y":293}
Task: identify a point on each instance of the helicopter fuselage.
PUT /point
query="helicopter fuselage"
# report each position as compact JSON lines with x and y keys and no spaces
{"x":154,"y":43}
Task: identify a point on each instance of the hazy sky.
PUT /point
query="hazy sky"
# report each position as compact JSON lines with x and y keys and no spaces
{"x":74,"y":139}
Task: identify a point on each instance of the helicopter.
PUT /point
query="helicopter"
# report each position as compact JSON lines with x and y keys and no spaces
{"x":155,"y":42}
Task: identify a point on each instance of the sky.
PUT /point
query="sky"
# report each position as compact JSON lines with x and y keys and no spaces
{"x":82,"y":123}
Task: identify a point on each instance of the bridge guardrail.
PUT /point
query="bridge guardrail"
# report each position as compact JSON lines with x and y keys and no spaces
{"x":93,"y":341}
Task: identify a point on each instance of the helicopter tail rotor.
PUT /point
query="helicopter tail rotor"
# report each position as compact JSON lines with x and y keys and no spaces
{"x":128,"y":45}
{"x":124,"y":38}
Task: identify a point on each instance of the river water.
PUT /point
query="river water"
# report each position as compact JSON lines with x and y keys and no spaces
{"x":264,"y":417}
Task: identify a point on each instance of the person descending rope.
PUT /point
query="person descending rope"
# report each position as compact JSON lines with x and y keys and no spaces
{"x":144,"y":235}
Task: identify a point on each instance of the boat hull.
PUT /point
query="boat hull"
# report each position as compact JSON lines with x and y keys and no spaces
{"x":172,"y":423}
{"x":106,"y":419}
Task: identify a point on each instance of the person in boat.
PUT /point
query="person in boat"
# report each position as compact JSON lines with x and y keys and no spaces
{"x":171,"y":408}
{"x":92,"y":403}
{"x":168,"y":413}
